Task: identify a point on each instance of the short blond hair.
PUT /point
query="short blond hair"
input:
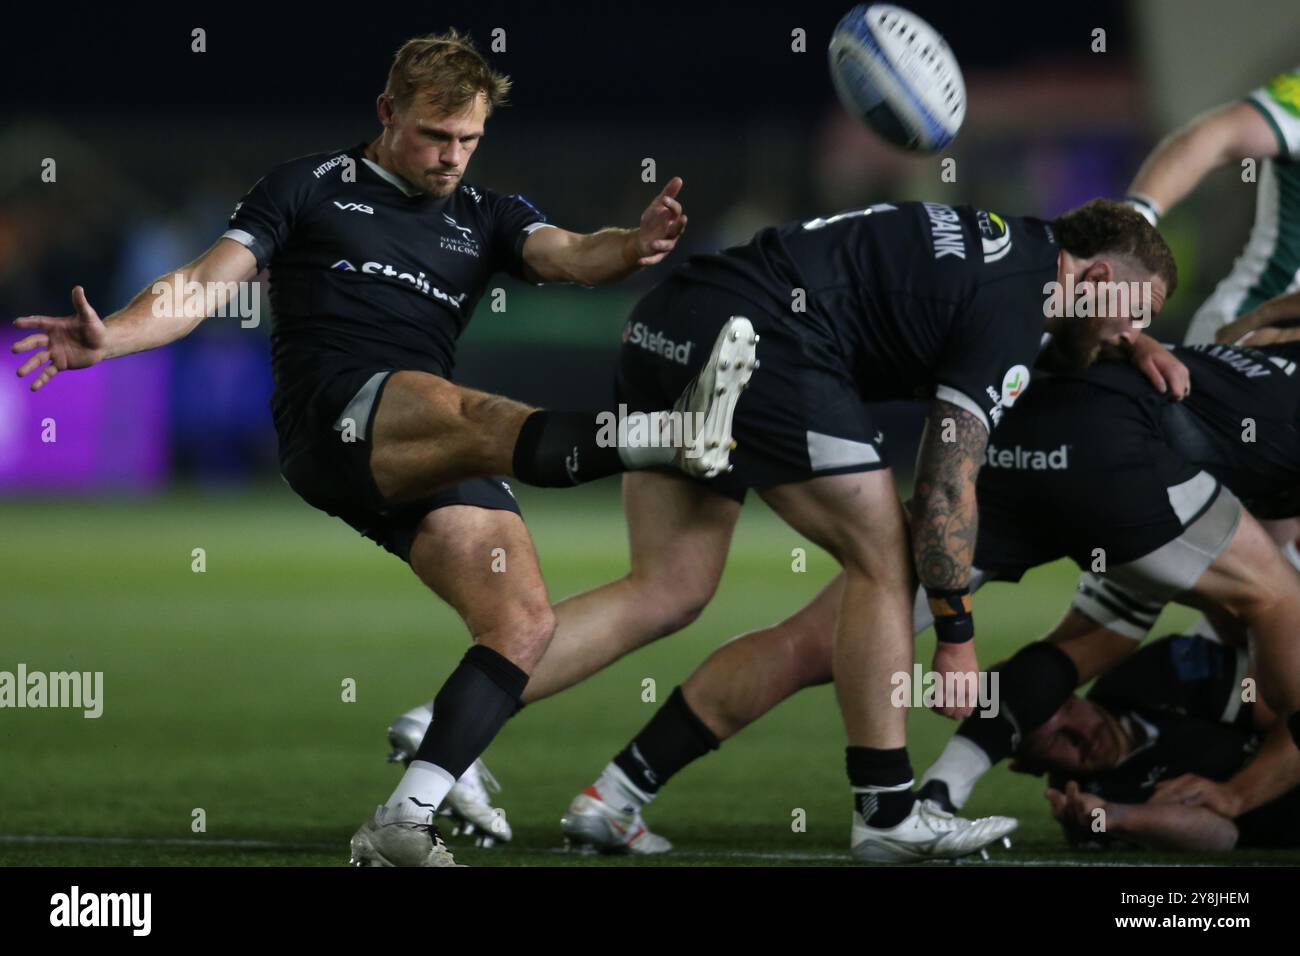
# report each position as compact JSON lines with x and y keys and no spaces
{"x":445,"y":70}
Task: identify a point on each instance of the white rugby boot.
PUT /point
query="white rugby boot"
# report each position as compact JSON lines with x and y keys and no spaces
{"x":469,"y":802}
{"x":927,"y":833}
{"x":592,"y":823}
{"x":400,"y":836}
{"x":707,"y":405}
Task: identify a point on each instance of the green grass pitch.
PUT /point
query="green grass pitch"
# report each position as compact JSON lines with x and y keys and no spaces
{"x":223,"y":692}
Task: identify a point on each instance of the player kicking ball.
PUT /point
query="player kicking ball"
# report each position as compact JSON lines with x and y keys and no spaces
{"x":377,"y":255}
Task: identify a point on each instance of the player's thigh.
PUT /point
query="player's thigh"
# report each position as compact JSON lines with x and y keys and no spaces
{"x":857,"y":517}
{"x":679,"y":532}
{"x":1250,"y":571}
{"x":481,"y":561}
{"x":429,"y":432}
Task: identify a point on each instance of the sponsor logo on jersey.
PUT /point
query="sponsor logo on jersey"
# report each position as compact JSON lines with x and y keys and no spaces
{"x":995,"y":235}
{"x":419,"y":281}
{"x":1013,"y":384}
{"x":355,"y":207}
{"x":1028,"y":459}
{"x":945,"y":229}
{"x":329,"y":164}
{"x":465,"y":243}
{"x":639,"y":334}
{"x":473,"y":193}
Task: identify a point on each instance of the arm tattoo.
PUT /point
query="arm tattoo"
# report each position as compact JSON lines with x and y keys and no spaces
{"x":944,"y":516}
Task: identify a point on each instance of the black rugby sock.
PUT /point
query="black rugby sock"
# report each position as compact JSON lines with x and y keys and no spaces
{"x":561,"y":449}
{"x":674,"y":737}
{"x":882,"y":784}
{"x":1031,"y":687}
{"x":478,"y":698}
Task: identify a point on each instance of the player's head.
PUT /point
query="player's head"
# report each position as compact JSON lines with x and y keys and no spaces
{"x":1080,"y":738}
{"x":439,"y":95}
{"x":1114,"y":273}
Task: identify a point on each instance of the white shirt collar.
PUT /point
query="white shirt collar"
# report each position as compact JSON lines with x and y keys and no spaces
{"x":391,"y":178}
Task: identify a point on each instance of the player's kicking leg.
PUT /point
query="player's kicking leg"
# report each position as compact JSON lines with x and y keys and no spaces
{"x":428,"y":433}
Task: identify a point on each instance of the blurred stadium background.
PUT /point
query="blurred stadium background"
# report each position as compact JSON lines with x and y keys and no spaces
{"x":220,"y":686}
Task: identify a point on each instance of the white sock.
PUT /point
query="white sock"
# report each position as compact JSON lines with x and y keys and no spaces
{"x":424,"y":782}
{"x":657,"y":449}
{"x":960,"y":766}
{"x":617,"y":790}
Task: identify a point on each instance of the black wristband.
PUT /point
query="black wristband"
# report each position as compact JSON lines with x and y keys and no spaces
{"x":953,"y":621}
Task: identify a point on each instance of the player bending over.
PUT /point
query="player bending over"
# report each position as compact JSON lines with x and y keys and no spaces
{"x":377,"y":255}
{"x":1169,"y":530}
{"x":894,"y":301}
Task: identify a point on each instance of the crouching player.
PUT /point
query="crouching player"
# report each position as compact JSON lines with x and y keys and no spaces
{"x":1086,"y":465}
{"x":897,"y":300}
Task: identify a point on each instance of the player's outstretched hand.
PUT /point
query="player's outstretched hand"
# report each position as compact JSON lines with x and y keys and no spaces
{"x":67,"y":342}
{"x":662,"y":224}
{"x":960,"y":660}
{"x":1194,"y":791}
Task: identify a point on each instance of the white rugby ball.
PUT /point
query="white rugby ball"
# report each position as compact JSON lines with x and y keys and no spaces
{"x":894,"y":71}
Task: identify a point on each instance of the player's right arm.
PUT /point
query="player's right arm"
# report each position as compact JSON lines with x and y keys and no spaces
{"x":944,"y":525}
{"x":148,"y":321}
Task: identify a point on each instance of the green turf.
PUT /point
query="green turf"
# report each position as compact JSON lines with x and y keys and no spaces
{"x":223,"y":690}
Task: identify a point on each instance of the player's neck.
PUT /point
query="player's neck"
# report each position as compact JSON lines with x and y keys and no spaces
{"x":376,"y":153}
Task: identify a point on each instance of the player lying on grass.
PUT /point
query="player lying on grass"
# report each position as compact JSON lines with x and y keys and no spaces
{"x":377,"y":256}
{"x":1085,"y":466}
{"x":894,"y":301}
{"x":1165,"y":747}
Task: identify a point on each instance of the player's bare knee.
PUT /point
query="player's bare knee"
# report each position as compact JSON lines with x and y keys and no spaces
{"x":673,"y":595}
{"x":521,"y":631}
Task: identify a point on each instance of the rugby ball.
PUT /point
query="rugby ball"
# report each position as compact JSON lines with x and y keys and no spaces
{"x":894,"y":72}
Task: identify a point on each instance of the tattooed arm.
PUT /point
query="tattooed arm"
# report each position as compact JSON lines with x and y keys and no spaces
{"x":944,"y":523}
{"x":944,"y":517}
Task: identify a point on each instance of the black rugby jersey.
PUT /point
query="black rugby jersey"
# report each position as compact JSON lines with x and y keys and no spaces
{"x":1239,"y":422}
{"x":919,"y":299}
{"x":367,"y":271}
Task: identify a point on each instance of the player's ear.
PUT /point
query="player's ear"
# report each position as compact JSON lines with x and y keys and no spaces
{"x":384,"y":109}
{"x":1098,"y":271}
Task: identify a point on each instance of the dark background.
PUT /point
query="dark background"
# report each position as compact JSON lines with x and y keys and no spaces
{"x":155,"y":143}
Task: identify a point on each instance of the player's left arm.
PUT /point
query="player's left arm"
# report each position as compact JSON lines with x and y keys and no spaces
{"x":599,"y":258}
{"x":945,"y":520}
{"x":1274,"y":772}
